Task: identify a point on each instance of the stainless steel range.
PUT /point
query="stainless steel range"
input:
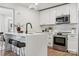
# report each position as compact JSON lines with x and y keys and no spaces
{"x":60,"y":41}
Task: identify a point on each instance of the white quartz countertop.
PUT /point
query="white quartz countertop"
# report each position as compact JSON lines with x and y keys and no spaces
{"x":23,"y":34}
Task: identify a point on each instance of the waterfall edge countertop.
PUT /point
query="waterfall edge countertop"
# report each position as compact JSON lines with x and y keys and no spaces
{"x":36,"y":43}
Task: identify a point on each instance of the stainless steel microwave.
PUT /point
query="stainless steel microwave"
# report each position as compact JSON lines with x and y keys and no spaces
{"x":63,"y":19}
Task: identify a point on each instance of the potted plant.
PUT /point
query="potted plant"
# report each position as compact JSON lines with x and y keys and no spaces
{"x":18,"y":28}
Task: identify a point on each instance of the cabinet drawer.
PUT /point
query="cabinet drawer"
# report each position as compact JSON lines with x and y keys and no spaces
{"x":73,"y":43}
{"x":50,"y":42}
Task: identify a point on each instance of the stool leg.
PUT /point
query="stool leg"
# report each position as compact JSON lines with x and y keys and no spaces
{"x":13,"y":48}
{"x":19,"y":51}
{"x":24,"y":51}
{"x":16,"y":50}
{"x":2,"y":46}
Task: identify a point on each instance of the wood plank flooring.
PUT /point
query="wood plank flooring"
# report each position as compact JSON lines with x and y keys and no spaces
{"x":7,"y":53}
{"x":51,"y":52}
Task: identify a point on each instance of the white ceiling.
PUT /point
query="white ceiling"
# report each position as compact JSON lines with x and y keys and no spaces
{"x":41,"y":6}
{"x":46,"y":5}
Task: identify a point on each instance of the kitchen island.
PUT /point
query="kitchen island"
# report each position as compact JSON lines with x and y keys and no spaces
{"x":36,"y":43}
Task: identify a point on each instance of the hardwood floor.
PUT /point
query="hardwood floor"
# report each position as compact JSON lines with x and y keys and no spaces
{"x":51,"y":52}
{"x":7,"y":53}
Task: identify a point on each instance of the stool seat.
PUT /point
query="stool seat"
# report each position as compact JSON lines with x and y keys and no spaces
{"x":1,"y":32}
{"x":17,"y":43}
{"x":20,"y":44}
{"x":10,"y":41}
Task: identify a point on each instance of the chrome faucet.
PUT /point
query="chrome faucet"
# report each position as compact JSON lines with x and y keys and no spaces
{"x":27,"y":27}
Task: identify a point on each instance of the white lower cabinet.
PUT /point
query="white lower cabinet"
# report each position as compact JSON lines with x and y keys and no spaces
{"x":50,"y":41}
{"x":73,"y":43}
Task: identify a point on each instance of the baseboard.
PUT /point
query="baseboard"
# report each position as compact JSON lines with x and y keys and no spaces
{"x":72,"y":52}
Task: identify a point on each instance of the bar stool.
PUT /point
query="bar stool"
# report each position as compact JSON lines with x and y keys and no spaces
{"x":18,"y":44}
{"x":21,"y":46}
{"x":14,"y":43}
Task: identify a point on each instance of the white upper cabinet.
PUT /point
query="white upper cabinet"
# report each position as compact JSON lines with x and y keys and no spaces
{"x":44,"y":17}
{"x":59,"y":11}
{"x":65,"y":9}
{"x":52,"y":16}
{"x":49,"y":16}
{"x":69,"y":9}
{"x":73,"y":13}
{"x":62,"y":10}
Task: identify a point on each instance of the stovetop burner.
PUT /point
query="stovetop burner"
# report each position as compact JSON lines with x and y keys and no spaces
{"x":61,"y":34}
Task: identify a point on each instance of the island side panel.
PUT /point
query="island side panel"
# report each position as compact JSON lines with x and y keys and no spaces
{"x":37,"y":45}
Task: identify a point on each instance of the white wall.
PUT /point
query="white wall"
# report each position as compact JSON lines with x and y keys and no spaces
{"x":24,"y":15}
{"x":4,"y":23}
{"x":65,"y":27}
{"x":1,"y":18}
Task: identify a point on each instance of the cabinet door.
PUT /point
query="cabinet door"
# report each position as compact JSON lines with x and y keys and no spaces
{"x":44,"y":17}
{"x":52,"y":16}
{"x":66,"y":9}
{"x":62,"y":10}
{"x":72,"y":43}
{"x":73,"y":13}
{"x":59,"y":11}
{"x":50,"y":40}
{"x":50,"y":43}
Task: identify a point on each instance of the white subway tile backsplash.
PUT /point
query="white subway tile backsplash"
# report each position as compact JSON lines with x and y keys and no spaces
{"x":62,"y":27}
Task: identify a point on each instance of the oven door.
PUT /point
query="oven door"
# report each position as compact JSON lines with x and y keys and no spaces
{"x":60,"y":41}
